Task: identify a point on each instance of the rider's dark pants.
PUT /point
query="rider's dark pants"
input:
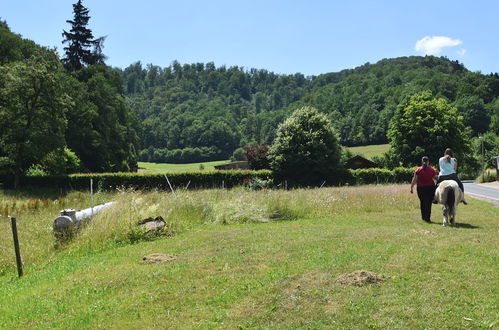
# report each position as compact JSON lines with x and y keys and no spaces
{"x":452,"y":176}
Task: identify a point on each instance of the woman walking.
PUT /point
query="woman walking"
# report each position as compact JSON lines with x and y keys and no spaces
{"x":424,"y":177}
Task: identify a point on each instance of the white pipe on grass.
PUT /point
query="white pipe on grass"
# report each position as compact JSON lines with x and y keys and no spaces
{"x":71,"y":219}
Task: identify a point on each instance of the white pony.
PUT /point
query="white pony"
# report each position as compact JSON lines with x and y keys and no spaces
{"x":449,"y":195}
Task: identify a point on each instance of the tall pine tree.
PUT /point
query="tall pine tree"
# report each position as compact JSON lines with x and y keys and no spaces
{"x":82,"y":48}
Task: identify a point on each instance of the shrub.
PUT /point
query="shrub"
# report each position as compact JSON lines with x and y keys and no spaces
{"x":487,"y":176}
{"x":258,"y":184}
{"x":257,"y":157}
{"x":238,"y":155}
{"x":306,"y":149}
{"x":57,"y":162}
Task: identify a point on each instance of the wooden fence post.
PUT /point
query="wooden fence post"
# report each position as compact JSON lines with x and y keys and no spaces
{"x":16,"y":246}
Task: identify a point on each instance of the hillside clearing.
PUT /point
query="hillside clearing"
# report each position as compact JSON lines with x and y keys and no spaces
{"x":145,"y":167}
{"x":371,"y":150}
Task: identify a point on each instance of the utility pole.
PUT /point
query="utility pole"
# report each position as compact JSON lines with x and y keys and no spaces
{"x":483,"y":157}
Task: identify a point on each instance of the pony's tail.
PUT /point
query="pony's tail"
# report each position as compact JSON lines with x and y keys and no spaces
{"x":451,"y":197}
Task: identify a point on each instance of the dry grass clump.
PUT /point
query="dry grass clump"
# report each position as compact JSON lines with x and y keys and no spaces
{"x":18,"y":203}
{"x":9,"y":205}
{"x":158,"y":258}
{"x":360,"y":278}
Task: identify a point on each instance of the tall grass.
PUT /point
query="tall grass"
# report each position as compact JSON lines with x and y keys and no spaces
{"x":490,"y":175}
{"x":34,"y":212}
{"x":185,"y":209}
{"x":182,"y":211}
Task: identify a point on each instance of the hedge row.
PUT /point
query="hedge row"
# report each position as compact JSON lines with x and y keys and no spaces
{"x":381,"y":175}
{"x":197,"y":180}
{"x":106,"y":181}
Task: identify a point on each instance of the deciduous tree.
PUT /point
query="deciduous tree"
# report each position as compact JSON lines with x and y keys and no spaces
{"x":424,"y":125}
{"x":33,"y":106}
{"x":306,"y":150}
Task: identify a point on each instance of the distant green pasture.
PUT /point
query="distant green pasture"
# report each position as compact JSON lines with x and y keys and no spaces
{"x":370,"y":151}
{"x":145,"y":167}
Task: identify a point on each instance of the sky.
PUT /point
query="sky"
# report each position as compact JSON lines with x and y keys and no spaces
{"x":286,"y":37}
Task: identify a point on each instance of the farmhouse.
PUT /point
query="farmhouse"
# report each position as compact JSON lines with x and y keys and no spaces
{"x":357,"y":162}
{"x":241,"y":165}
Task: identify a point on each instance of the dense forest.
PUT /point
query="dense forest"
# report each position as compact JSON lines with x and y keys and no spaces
{"x":57,"y":119}
{"x":195,"y":111}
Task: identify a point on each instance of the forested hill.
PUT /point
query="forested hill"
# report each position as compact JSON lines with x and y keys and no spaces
{"x":362,"y":103}
{"x":56,"y":121}
{"x":198,"y":111}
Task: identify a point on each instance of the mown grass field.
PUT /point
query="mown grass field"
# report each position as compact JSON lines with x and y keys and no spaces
{"x":246,"y":259}
{"x":145,"y":167}
{"x":370,"y":151}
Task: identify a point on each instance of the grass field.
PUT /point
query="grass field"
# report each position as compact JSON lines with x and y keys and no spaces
{"x":145,"y":167}
{"x":245,"y":259}
{"x":370,"y":151}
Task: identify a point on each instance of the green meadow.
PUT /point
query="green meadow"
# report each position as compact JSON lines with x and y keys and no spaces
{"x":251,"y":259}
{"x":371,"y":150}
{"x":145,"y":167}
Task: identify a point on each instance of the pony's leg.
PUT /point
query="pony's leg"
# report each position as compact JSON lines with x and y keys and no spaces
{"x":445,"y":212}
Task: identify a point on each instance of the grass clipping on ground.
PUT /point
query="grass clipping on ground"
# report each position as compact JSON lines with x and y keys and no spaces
{"x":360,"y":278}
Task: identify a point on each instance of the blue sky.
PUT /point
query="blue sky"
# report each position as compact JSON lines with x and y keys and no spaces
{"x":309,"y":36}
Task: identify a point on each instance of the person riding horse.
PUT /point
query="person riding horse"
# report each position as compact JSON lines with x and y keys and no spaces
{"x":448,"y":170}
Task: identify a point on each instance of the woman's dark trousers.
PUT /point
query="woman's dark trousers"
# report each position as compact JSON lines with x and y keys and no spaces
{"x":426,"y":194}
{"x":451,"y":177}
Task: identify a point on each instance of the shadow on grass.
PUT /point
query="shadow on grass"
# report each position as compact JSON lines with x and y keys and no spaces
{"x":465,"y":225}
{"x":457,"y":225}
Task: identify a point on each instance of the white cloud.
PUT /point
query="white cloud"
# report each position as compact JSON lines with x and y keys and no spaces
{"x":461,"y":52}
{"x":433,"y":45}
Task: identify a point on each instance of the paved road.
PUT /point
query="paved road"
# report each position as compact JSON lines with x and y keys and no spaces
{"x":490,"y":192}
